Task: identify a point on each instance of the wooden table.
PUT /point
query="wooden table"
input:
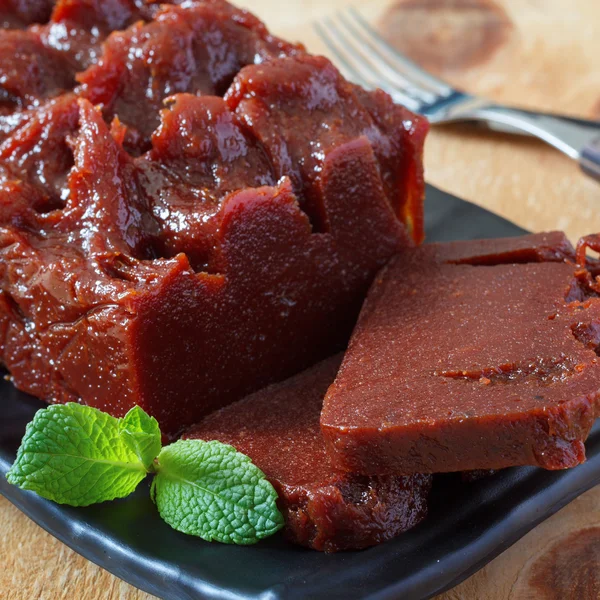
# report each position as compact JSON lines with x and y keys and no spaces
{"x":535,"y":53}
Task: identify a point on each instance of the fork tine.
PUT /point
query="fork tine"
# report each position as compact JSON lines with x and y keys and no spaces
{"x":354,"y":66}
{"x":390,"y":76}
{"x":410,"y":70}
{"x":340,"y":54}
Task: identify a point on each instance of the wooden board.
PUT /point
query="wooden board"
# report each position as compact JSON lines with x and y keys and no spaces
{"x":533,"y":53}
{"x":36,"y":566}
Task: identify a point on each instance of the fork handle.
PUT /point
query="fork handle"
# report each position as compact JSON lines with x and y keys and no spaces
{"x":577,"y":138}
{"x":590,"y":159}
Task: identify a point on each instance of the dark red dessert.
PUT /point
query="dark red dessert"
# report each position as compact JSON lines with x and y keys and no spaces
{"x":15,"y":14}
{"x":473,"y":355}
{"x":41,"y":61}
{"x":324,"y":509}
{"x":234,"y":251}
{"x":198,"y":47}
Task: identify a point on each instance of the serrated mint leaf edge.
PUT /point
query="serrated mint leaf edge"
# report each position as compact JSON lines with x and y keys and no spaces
{"x":128,"y":424}
{"x":127,"y":466}
{"x":162,"y":474}
{"x":214,"y":535}
{"x":26,"y":482}
{"x":122,"y":492}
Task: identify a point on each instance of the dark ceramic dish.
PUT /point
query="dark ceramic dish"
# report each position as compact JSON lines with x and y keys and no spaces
{"x":469,"y":524}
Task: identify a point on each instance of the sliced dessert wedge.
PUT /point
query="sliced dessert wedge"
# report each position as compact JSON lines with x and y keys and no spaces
{"x":472,"y":355}
{"x":278,"y":427}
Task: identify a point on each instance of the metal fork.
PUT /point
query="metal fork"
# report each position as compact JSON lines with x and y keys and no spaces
{"x":370,"y":61}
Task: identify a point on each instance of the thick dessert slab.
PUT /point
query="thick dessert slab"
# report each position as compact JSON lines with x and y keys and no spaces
{"x":470,"y":355}
{"x":182,"y":258}
{"x":278,"y":427}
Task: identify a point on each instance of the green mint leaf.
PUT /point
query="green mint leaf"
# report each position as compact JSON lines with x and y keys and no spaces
{"x":210,"y":490}
{"x":141,"y":433}
{"x":74,"y":454}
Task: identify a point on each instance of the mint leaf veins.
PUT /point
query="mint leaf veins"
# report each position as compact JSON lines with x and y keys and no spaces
{"x":75,"y":455}
{"x":78,"y":455}
{"x":210,"y":490}
{"x":141,"y":433}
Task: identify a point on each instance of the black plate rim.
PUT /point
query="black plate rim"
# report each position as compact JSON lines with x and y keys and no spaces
{"x":528,"y":510}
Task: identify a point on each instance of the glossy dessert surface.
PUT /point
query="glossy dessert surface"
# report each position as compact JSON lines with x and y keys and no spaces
{"x":190,"y":208}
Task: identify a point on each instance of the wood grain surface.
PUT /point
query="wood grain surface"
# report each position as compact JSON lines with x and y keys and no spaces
{"x":533,"y":53}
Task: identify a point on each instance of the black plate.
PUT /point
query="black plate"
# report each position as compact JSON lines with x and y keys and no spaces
{"x":469,"y":524}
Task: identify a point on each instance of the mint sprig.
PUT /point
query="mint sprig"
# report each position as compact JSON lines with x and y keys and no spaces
{"x":77,"y":455}
{"x":210,"y":490}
